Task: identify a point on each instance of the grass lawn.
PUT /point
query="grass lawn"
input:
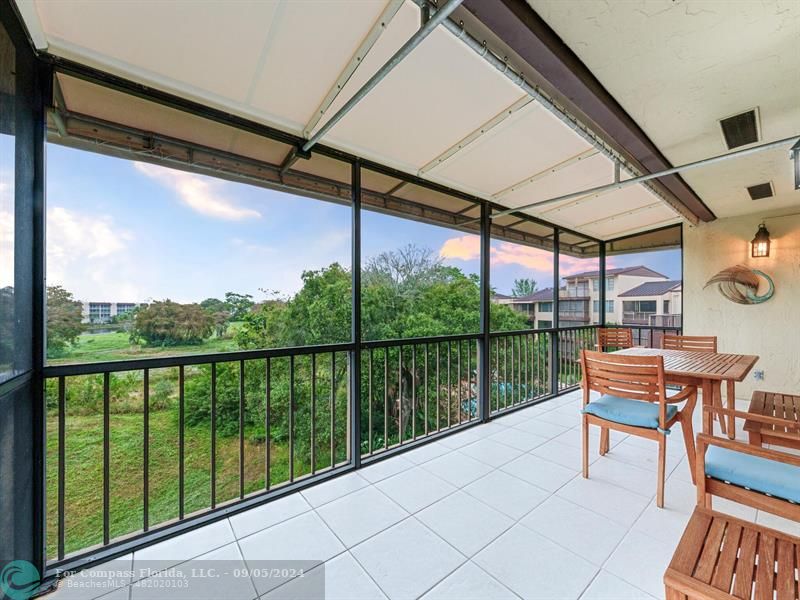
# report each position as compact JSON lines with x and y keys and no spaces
{"x":84,"y":473}
{"x":95,"y":347}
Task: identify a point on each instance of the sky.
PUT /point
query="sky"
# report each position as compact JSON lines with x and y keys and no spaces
{"x":6,"y":210}
{"x":124,"y":231}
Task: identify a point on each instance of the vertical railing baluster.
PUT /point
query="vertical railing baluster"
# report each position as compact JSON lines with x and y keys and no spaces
{"x":385,"y":398}
{"x":438,"y":388}
{"x":521,"y":368}
{"x":106,"y":457}
{"x":333,"y":409}
{"x":469,"y":380}
{"x":534,"y":367}
{"x":267,"y":424}
{"x":62,"y":408}
{"x":449,"y":384}
{"x":181,"y":440}
{"x":291,"y":418}
{"x":459,"y":394}
{"x":505,"y":371}
{"x":425,"y":377}
{"x":514,"y":371}
{"x":517,"y":342}
{"x":369,"y":398}
{"x":497,"y":374}
{"x":574,"y":344}
{"x":414,"y":392}
{"x":213,"y":435}
{"x":534,"y":355}
{"x":573,"y":365}
{"x":537,"y":367}
{"x":241,"y":428}
{"x":526,"y":385}
{"x":569,"y":362}
{"x":400,"y":394}
{"x":146,"y":452}
{"x":313,"y":413}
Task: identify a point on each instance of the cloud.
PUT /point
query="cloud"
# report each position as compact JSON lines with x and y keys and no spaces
{"x":536,"y":259}
{"x":202,"y":194}
{"x":90,"y":256}
{"x":467,"y":247}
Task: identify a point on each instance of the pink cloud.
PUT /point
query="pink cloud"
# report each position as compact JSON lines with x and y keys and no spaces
{"x":507,"y":253}
{"x":467,"y":247}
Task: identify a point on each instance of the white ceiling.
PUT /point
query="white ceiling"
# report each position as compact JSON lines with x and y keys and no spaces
{"x":275,"y":62}
{"x":677,"y":67}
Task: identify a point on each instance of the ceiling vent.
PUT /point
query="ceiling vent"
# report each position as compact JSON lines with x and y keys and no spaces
{"x":741,"y":129}
{"x":760,"y":191}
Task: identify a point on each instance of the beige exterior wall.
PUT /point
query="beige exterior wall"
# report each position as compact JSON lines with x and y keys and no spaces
{"x":770,"y":330}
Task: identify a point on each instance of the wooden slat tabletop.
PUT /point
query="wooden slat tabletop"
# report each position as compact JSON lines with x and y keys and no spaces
{"x":701,"y":365}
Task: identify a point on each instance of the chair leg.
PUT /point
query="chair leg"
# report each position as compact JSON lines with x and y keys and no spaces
{"x":688,"y":439}
{"x":585,"y":444}
{"x":604,"y":441}
{"x":662,"y":459}
{"x":754,"y":438}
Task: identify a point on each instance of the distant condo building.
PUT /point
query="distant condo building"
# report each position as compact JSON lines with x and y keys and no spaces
{"x":103,"y":312}
{"x":634,"y":296}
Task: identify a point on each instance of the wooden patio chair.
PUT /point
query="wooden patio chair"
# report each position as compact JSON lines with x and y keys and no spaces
{"x":720,"y":557}
{"x":695,"y":343}
{"x":618,"y":338}
{"x":764,"y":478}
{"x":633,"y":399}
{"x":700,"y":343}
{"x":771,"y":404}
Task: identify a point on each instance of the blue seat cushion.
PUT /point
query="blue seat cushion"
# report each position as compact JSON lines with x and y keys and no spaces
{"x":637,"y":413}
{"x":754,"y":472}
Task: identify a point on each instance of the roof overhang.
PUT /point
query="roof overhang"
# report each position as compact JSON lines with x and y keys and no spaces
{"x":444,"y":114}
{"x":561,"y":72}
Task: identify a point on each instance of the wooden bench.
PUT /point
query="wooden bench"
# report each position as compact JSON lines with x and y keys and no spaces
{"x":780,"y":406}
{"x":723,"y":557}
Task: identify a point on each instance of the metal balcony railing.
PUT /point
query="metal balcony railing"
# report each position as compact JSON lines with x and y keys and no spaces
{"x":253,"y":425}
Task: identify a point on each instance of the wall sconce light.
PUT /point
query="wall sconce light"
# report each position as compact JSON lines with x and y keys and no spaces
{"x":796,"y":158}
{"x":760,"y":243}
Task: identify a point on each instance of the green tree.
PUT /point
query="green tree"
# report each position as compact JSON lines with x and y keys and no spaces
{"x":240,"y":304}
{"x":406,"y":293}
{"x":220,"y":312}
{"x":63,"y":320}
{"x":523,"y":287}
{"x":318,"y":314}
{"x":167,"y":323}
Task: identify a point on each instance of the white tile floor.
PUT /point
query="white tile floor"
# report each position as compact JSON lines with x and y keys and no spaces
{"x":498,"y":511}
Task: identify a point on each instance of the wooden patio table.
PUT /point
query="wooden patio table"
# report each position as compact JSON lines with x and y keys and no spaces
{"x":706,"y":370}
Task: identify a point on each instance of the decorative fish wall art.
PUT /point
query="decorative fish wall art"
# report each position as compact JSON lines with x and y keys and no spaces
{"x":740,"y":284}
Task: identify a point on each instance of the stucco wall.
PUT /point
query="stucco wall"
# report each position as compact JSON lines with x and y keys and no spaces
{"x":770,"y":330}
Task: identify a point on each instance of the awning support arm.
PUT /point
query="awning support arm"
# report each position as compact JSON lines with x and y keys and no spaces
{"x":436,"y":19}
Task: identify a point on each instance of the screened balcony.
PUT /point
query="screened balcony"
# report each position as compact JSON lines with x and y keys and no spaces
{"x":259,"y":273}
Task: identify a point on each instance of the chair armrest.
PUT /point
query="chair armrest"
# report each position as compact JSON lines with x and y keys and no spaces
{"x":748,"y":416}
{"x":687,"y":392}
{"x":704,"y":440}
